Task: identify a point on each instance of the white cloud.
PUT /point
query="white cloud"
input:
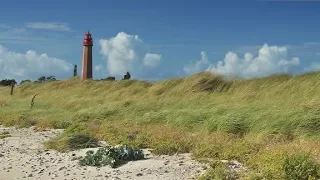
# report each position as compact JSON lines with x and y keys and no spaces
{"x":270,"y":60}
{"x":124,"y":53}
{"x":120,"y":52}
{"x":151,"y":60}
{"x":200,"y":65}
{"x":98,"y":67}
{"x":53,"y":26}
{"x":30,"y":65}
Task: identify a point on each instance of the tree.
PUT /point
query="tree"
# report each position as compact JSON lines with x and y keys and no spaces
{"x":110,"y":78}
{"x":25,"y":81}
{"x":51,"y":78}
{"x":7,"y":82}
{"x":45,"y":79}
{"x":41,"y":79}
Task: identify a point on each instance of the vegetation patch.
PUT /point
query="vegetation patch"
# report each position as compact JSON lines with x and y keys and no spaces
{"x":4,"y":135}
{"x":301,"y":166}
{"x":23,"y":121}
{"x":219,"y":171}
{"x":68,"y":142}
{"x":61,"y":124}
{"x":80,"y":141}
{"x":112,"y":156}
{"x":259,"y":122}
{"x":212,"y":84}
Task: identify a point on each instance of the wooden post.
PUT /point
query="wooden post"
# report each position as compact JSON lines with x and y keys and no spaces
{"x":32,"y":101}
{"x":12,"y":86}
{"x":75,"y":70}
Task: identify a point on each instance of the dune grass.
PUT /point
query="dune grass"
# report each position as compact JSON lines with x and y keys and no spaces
{"x":259,"y":122}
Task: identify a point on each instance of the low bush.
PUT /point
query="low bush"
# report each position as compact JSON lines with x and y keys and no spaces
{"x":113,"y":156}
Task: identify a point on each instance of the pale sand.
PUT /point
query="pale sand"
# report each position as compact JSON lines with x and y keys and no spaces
{"x":22,"y":156}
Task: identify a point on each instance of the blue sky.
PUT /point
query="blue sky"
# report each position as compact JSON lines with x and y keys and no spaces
{"x":250,"y":38}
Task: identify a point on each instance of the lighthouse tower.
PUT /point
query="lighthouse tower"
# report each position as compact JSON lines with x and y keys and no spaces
{"x":87,"y":57}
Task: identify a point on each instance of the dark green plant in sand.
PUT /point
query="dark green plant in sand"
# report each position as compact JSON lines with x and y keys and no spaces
{"x":113,"y":156}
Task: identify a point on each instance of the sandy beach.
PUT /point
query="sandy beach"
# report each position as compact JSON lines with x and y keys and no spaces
{"x":22,"y":156}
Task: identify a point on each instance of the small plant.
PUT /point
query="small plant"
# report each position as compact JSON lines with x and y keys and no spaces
{"x":113,"y":156}
{"x":4,"y":135}
{"x":301,"y":167}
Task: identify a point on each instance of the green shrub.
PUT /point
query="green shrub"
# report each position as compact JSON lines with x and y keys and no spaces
{"x":113,"y":156}
{"x":301,"y":167}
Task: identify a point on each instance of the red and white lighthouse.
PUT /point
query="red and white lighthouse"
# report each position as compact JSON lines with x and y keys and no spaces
{"x":87,"y":57}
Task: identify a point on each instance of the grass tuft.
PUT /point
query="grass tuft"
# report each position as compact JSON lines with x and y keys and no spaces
{"x":4,"y":135}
